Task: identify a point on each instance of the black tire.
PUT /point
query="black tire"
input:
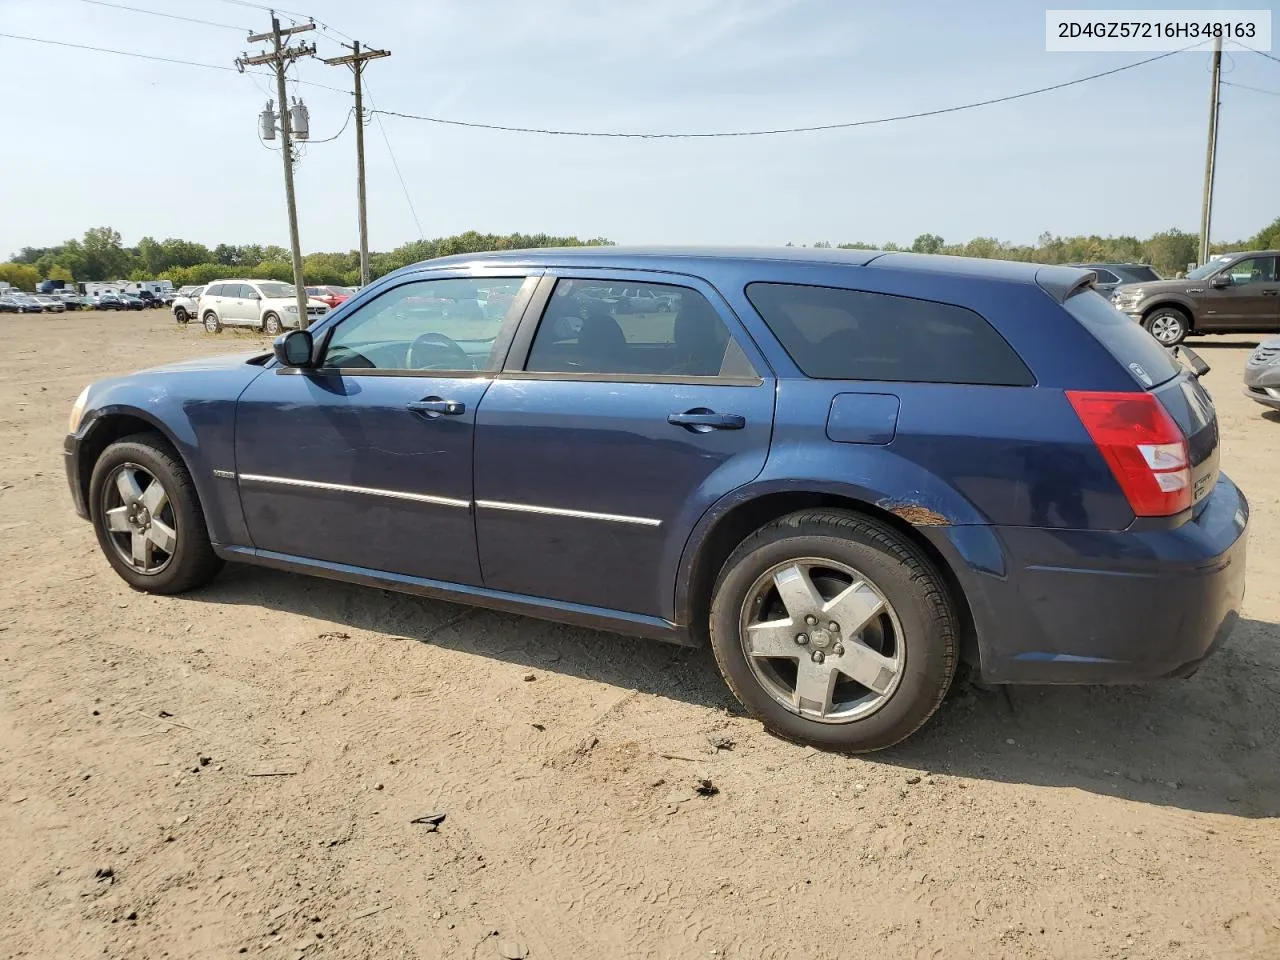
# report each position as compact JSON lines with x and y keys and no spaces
{"x":211,"y":322}
{"x":907,"y":581}
{"x":193,"y":562}
{"x":271,"y":325}
{"x":180,"y":314}
{"x":1168,"y":325}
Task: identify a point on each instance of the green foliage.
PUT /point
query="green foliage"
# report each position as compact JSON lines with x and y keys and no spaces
{"x":21,"y":275}
{"x":197,"y":275}
{"x":61,"y":273}
{"x":1268,"y":238}
{"x":105,"y":257}
{"x":926,"y":243}
{"x":273,"y":270}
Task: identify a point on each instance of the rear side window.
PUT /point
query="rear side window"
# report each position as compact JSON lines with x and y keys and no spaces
{"x":1105,"y":276}
{"x":641,"y":330}
{"x":1148,"y":362}
{"x":837,"y":334}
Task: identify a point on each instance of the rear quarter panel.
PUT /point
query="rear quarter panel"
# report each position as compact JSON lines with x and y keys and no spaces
{"x":961,"y":456}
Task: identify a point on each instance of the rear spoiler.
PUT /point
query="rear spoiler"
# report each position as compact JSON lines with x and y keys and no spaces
{"x":1062,"y":283}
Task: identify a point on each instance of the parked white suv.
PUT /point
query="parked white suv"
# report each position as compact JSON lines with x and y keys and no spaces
{"x":186,"y":303}
{"x":266,"y":305}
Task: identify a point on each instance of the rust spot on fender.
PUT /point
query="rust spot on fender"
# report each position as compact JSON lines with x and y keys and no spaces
{"x":917,"y":515}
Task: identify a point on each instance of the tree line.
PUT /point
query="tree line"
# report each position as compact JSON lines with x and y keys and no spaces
{"x":1169,"y":251}
{"x":102,"y":255}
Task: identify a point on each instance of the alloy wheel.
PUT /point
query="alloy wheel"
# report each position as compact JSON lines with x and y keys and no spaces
{"x":1166,"y":328}
{"x":139,"y":518}
{"x":822,"y":640}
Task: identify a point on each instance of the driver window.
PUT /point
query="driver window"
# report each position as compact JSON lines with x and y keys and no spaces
{"x":449,"y":325}
{"x":1254,"y":270}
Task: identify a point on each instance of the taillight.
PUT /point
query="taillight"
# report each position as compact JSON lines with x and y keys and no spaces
{"x":1143,"y":446}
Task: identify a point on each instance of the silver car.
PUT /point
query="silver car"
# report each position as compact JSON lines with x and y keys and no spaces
{"x":1262,"y":374}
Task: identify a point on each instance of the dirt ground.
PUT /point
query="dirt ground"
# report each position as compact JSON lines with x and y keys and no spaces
{"x":237,"y":771}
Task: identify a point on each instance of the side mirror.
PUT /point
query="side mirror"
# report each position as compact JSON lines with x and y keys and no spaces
{"x":1221,"y":280}
{"x":294,"y":349}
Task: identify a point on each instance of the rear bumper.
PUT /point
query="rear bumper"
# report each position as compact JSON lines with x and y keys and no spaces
{"x":1077,"y":606}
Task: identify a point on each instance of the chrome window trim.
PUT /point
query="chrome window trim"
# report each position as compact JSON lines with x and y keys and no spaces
{"x":348,"y":488}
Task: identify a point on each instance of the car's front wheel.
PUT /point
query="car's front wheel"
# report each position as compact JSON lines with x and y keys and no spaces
{"x":834,"y":630}
{"x":148,"y":518}
{"x":271,"y":325}
{"x":212,"y":323}
{"x":1168,"y":325}
{"x":180,"y":314}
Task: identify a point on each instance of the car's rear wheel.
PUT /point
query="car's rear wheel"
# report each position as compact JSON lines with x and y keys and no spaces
{"x":180,"y":314}
{"x":212,"y":323}
{"x":834,"y":630}
{"x":1168,"y":325}
{"x":271,"y":325}
{"x":148,"y":518}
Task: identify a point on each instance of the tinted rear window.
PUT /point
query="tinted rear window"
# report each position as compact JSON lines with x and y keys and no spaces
{"x":1138,"y":274}
{"x":838,"y":334}
{"x":1147,"y":361}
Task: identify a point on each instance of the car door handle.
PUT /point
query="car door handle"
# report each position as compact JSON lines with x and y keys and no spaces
{"x":437,"y":407}
{"x":702,"y":420}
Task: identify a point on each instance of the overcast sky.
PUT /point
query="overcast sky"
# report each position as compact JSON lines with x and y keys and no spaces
{"x":171,"y":150}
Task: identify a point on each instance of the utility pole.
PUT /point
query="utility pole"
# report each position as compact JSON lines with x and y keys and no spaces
{"x":356,"y":60}
{"x":279,"y":59}
{"x":1211,"y":152}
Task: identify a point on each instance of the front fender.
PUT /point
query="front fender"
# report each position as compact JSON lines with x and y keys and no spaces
{"x":195,"y":411}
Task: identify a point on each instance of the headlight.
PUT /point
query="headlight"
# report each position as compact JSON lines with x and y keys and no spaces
{"x":291,"y":308}
{"x":77,"y":411}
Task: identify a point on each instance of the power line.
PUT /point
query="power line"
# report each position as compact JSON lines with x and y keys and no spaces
{"x":1245,"y":86}
{"x":504,"y":128}
{"x":1261,"y":53}
{"x":345,"y":124}
{"x":784,"y":130}
{"x":120,"y":53}
{"x":149,"y":56}
{"x":287,"y":13}
{"x":167,"y":16}
{"x":403,"y":186}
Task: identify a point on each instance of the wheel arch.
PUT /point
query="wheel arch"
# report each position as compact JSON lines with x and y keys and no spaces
{"x":1185,"y":309}
{"x":720,"y":532}
{"x":110,"y":425}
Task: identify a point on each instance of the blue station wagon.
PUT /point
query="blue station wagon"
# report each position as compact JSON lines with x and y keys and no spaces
{"x":846,"y":471}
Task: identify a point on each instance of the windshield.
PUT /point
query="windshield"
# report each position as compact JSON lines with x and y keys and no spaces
{"x":1200,"y":272}
{"x":277,"y":291}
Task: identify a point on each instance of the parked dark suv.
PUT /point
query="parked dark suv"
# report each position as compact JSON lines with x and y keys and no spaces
{"x":844,"y":470}
{"x":1237,"y":294}
{"x":1111,"y":275}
